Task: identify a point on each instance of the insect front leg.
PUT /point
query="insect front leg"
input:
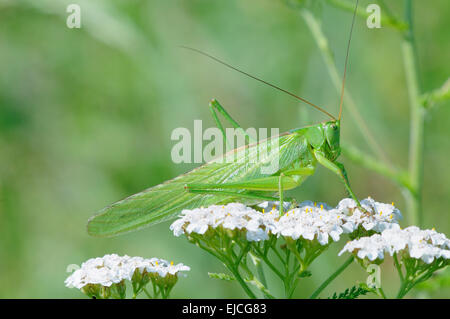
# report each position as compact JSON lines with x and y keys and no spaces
{"x":338,"y":169}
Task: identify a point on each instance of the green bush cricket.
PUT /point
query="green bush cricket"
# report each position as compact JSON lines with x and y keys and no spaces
{"x":238,"y":175}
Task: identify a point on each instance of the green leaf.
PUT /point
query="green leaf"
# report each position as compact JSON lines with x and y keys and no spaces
{"x":305,"y":274}
{"x":221,"y":276}
{"x":255,"y":282}
{"x":350,"y":293}
{"x":440,"y":280}
{"x":439,"y":95}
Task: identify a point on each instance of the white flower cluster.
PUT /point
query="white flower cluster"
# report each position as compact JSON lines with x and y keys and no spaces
{"x":382,"y":216}
{"x":426,"y":245}
{"x":309,"y":220}
{"x":234,"y":216}
{"x":112,"y":269}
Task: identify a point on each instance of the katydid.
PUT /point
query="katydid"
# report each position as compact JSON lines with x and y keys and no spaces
{"x":241,"y":179}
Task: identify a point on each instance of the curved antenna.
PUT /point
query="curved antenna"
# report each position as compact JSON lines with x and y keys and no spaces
{"x":260,"y":80}
{"x":346,"y":61}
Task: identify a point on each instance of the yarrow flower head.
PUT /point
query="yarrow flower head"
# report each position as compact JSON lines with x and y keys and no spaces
{"x":308,"y":221}
{"x":411,"y":242}
{"x":103,"y":277}
{"x":301,"y":233}
{"x":381,"y":216}
{"x":234,"y":217}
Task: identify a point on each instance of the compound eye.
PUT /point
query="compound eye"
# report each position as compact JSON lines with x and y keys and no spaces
{"x":334,"y":126}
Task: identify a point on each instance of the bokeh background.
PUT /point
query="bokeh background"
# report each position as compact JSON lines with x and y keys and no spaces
{"x":86,"y":117}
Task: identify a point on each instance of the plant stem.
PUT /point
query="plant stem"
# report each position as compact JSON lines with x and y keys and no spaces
{"x":147,"y":293}
{"x":327,"y":54}
{"x":241,"y":281}
{"x":227,"y":260}
{"x":261,"y":275}
{"x":332,"y":277}
{"x":400,"y":177}
{"x":255,"y":281}
{"x":440,"y":94}
{"x":387,"y":18}
{"x":293,"y":287}
{"x":381,"y":292}
{"x":398,"y":267}
{"x":269,"y":264}
{"x":402,"y":292}
{"x":412,"y":182}
{"x":416,"y":143}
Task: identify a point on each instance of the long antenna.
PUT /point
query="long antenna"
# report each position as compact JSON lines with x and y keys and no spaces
{"x":260,"y":80}
{"x":346,"y":61}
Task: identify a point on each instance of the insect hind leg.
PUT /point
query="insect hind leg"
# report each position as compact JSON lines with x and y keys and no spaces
{"x":249,"y":188}
{"x":215,"y":107}
{"x":249,"y":195}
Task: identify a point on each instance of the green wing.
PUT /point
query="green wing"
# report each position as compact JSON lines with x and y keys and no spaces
{"x":166,"y":200}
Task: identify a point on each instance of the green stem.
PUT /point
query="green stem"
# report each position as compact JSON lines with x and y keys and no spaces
{"x":332,"y":277}
{"x":167,"y":293}
{"x":244,"y":251}
{"x":400,"y":177}
{"x":293,"y":248}
{"x":327,"y":54}
{"x":294,"y":281}
{"x":261,"y":275}
{"x":241,"y":281}
{"x":403,"y":290}
{"x":381,"y":292}
{"x":255,"y":282}
{"x":231,"y":265}
{"x":441,"y":94}
{"x":277,"y":254}
{"x":233,"y":262}
{"x":218,"y":255}
{"x":269,"y":263}
{"x":416,"y":143}
{"x":399,"y":268}
{"x":404,"y":280}
{"x":387,"y":19}
{"x":147,"y":293}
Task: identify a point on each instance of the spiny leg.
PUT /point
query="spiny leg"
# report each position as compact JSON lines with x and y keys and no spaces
{"x":231,"y":193}
{"x":338,"y":169}
{"x":215,"y":106}
{"x":237,"y":194}
{"x":268,"y":184}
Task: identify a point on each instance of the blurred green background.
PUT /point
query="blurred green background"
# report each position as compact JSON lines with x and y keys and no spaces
{"x":86,"y":116}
